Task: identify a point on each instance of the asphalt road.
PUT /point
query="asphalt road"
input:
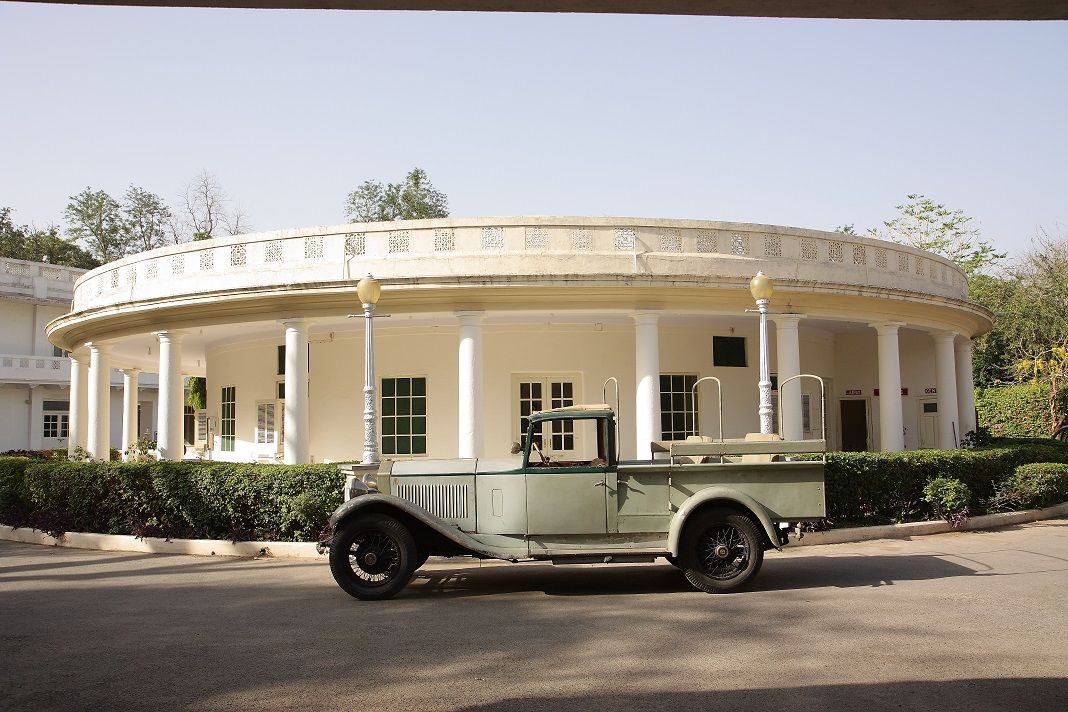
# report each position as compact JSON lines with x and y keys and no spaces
{"x":973,"y":621}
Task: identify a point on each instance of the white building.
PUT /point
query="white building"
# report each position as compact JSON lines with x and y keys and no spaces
{"x":34,"y":374}
{"x":492,"y":318}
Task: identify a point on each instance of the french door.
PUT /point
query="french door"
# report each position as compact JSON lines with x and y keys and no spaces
{"x":533,"y":393}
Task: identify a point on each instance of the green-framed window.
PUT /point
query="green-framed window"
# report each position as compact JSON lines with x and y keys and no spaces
{"x":228,"y":418}
{"x":403,"y":415}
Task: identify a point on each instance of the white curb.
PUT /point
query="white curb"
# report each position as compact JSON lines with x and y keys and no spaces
{"x":907,"y":531}
{"x":153,"y":545}
{"x":306,"y":550}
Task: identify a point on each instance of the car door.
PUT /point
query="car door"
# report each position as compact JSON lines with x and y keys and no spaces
{"x":566,"y":497}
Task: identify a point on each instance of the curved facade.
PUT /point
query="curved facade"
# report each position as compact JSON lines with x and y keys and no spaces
{"x":490,"y":318}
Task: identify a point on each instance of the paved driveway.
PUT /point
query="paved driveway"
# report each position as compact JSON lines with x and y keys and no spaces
{"x":973,"y":621}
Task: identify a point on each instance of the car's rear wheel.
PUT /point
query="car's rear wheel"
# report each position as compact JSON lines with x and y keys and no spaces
{"x":373,"y":556}
{"x":721,"y":550}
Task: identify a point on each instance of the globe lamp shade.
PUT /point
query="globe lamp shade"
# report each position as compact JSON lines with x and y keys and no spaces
{"x":761,"y":286}
{"x":369,"y":290}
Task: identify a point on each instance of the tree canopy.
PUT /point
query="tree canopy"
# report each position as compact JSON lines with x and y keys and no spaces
{"x":931,"y":226}
{"x":24,"y":242}
{"x":413,"y":199}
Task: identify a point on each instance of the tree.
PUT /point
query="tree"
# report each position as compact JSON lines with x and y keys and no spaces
{"x":146,"y":220}
{"x":206,"y":207}
{"x":96,"y":218}
{"x":1049,"y":372}
{"x":413,"y":199}
{"x":24,"y":242}
{"x":931,"y":226}
{"x":849,"y":229}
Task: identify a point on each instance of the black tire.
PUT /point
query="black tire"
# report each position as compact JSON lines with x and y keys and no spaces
{"x":721,"y":550}
{"x":373,"y":556}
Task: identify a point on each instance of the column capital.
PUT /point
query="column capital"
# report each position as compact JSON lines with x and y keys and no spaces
{"x":965,"y":344}
{"x":470,"y":317}
{"x":79,"y":359}
{"x":887,"y":327}
{"x":942,"y":337}
{"x":786,"y":321}
{"x":646,"y":317}
{"x":299,"y":323}
{"x":172,"y":337}
{"x":96,"y":346}
{"x":132,"y":371}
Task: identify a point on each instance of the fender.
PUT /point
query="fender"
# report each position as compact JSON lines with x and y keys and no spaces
{"x":719,"y":493}
{"x":386,"y":502}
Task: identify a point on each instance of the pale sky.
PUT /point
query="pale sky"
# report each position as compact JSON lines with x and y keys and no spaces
{"x":805,"y":123}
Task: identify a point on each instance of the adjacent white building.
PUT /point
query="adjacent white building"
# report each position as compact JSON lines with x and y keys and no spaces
{"x":35,"y":375}
{"x":490,"y":319}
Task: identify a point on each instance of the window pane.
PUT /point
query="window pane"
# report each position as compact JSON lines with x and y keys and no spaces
{"x":404,"y":446}
{"x":389,"y":445}
{"x":419,"y":426}
{"x":389,"y":406}
{"x":419,"y":445}
{"x":419,"y":406}
{"x":418,"y":386}
{"x":728,"y":351}
{"x":388,"y":387}
{"x":388,"y":426}
{"x":404,"y":387}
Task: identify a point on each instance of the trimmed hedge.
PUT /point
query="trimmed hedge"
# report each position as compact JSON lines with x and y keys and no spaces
{"x":1033,"y":486}
{"x":215,"y":500}
{"x":886,"y":487}
{"x":1020,"y":411}
{"x":206,"y":500}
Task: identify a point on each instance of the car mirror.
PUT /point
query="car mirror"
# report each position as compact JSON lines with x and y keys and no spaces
{"x":516,"y":448}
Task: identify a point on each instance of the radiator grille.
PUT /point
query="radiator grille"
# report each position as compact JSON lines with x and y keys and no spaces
{"x":445,"y":501}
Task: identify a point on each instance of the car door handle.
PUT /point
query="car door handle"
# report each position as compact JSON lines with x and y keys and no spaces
{"x":602,"y":483}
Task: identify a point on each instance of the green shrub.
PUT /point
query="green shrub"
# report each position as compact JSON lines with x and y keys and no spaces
{"x":1032,"y":486}
{"x":1018,"y":411}
{"x":172,"y":499}
{"x":884,"y":487}
{"x":948,"y":496}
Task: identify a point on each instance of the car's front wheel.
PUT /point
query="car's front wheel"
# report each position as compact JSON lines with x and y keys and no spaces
{"x":373,"y":556}
{"x":721,"y":550}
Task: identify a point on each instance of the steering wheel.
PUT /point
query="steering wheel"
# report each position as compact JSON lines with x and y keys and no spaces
{"x":543,"y":456}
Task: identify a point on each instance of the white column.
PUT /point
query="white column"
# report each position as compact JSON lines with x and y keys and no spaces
{"x":78,"y":421}
{"x":469,"y":385}
{"x":99,"y":435}
{"x":946,"y":383}
{"x":129,"y":410}
{"x":965,"y":388}
{"x":36,"y":420}
{"x":891,"y":424}
{"x":647,"y":379}
{"x":171,"y":405}
{"x":788,"y":364}
{"x":298,"y":437}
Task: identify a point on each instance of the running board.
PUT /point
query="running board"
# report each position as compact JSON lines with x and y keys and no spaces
{"x":644,"y":557}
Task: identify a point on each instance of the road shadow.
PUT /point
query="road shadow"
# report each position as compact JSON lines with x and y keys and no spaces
{"x":977,"y":695}
{"x":793,"y":573}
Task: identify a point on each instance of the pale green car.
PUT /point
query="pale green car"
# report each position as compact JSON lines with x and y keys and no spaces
{"x":711,"y":507}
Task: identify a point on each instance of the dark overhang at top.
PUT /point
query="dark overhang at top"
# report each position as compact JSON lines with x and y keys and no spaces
{"x":846,"y":9}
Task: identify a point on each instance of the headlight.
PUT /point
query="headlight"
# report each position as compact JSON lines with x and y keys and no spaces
{"x":371,"y":481}
{"x":354,"y":488}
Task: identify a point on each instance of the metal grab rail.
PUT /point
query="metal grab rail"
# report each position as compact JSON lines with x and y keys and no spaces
{"x":823,"y":406}
{"x":604,"y":395}
{"x":719,"y":399}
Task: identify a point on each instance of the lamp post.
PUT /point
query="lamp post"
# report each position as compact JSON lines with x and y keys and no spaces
{"x":369,"y":290}
{"x":762,"y":288}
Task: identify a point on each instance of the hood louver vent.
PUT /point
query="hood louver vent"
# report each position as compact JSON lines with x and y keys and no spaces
{"x":444,"y":501}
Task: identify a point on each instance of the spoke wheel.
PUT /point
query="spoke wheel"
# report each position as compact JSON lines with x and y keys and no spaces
{"x":373,"y":557}
{"x":721,"y":550}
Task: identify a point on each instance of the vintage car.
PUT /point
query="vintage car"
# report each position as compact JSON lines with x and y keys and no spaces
{"x":711,"y":506}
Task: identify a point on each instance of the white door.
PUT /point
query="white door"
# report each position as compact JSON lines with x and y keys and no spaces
{"x":928,"y":424}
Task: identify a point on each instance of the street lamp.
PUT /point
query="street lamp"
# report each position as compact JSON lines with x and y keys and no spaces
{"x":369,"y":290}
{"x":762,"y":288}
